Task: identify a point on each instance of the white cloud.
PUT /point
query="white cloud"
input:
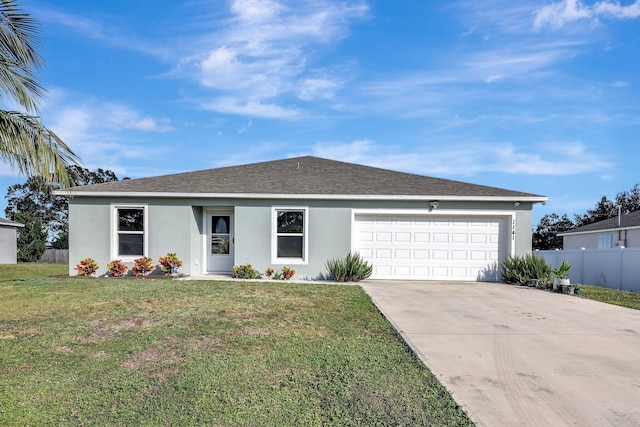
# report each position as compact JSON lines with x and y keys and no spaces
{"x":558,"y":14}
{"x":255,"y":10}
{"x":317,"y":88}
{"x":455,"y":84}
{"x":231,"y":105}
{"x":103,"y":134}
{"x":616,"y":10}
{"x":267,"y":50}
{"x":97,"y":30}
{"x":557,"y":159}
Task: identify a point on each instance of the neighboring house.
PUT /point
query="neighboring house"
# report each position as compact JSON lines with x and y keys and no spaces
{"x":610,"y":233}
{"x":299,"y":213}
{"x":9,"y":241}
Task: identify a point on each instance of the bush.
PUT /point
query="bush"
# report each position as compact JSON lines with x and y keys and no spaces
{"x":142,"y":266}
{"x":87,"y":267}
{"x":245,"y":271}
{"x":285,"y":274}
{"x":31,"y":239}
{"x":168,"y":262}
{"x":351,"y":268}
{"x":526,"y":270}
{"x":117,"y":268}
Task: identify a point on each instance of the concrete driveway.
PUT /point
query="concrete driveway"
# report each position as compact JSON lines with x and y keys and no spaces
{"x":515,"y":356}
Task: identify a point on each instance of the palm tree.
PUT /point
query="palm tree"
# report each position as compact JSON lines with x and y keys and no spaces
{"x":25,"y":143}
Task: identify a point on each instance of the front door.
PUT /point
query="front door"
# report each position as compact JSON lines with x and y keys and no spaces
{"x":220,"y":241}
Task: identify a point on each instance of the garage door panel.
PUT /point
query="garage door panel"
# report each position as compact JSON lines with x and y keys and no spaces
{"x":420,"y":237}
{"x":403,"y":236}
{"x":459,"y":255}
{"x":383,"y":253}
{"x":365,"y":236}
{"x":421,"y":254}
{"x":403,"y":254}
{"x":440,"y":238}
{"x":383,"y":236}
{"x":402,"y":270}
{"x":431,"y":247}
{"x":478,"y":238}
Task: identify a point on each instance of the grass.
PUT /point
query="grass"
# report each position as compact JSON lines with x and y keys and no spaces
{"x":165,"y":352}
{"x":611,"y":296}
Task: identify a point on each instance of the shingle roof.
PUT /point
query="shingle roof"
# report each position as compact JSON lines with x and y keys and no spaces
{"x":631,"y":219}
{"x":301,"y":176}
{"x":8,"y":223}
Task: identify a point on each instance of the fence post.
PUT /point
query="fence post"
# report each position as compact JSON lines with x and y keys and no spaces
{"x":621,"y":266}
{"x":582,"y":265}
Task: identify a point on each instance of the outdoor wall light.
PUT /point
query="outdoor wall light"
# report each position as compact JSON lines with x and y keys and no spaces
{"x":434,"y":204}
{"x":516,"y":204}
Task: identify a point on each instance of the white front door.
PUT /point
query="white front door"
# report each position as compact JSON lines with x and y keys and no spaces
{"x":220,"y":241}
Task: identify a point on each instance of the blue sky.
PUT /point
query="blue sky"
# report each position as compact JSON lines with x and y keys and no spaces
{"x":536,"y":96}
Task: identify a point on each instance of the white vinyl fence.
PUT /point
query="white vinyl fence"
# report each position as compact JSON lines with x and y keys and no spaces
{"x":610,"y":268}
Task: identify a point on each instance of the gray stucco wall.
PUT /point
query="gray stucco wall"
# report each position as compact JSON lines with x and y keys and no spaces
{"x":176,"y":225}
{"x":172,"y":227}
{"x":590,"y":240}
{"x":8,"y":244}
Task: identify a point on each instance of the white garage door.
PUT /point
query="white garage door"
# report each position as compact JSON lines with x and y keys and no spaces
{"x":432,"y":247}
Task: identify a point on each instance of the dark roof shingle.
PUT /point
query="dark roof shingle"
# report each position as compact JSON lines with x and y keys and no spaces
{"x":631,"y":219}
{"x":303,"y":175}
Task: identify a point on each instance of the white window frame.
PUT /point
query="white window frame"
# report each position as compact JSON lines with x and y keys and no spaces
{"x":605,"y":241}
{"x":274,"y":236}
{"x":114,"y":230}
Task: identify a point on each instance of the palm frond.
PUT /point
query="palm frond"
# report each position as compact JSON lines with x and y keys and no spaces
{"x":33,"y":149}
{"x":18,"y":56}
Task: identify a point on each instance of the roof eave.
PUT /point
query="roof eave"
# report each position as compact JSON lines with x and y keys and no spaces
{"x":603,"y":230}
{"x":528,"y":198}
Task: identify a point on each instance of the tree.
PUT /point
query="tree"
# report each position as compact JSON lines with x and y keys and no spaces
{"x":61,"y":242}
{"x":25,"y":143}
{"x":604,"y":209}
{"x":36,"y":197}
{"x":629,"y":201}
{"x":31,"y":238}
{"x":546,"y":236}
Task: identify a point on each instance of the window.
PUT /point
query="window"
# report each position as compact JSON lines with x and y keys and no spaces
{"x":604,"y":241}
{"x":290,"y":235}
{"x":129,"y":237}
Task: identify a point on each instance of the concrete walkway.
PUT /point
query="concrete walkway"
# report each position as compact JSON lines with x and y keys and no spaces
{"x":515,"y":356}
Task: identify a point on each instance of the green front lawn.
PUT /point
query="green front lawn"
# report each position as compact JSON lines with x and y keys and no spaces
{"x":166,"y":352}
{"x":611,"y":296}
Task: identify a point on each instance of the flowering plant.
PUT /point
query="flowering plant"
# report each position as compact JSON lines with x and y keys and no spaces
{"x":245,"y":271}
{"x":142,"y":266}
{"x":285,"y":274}
{"x":87,"y":267}
{"x":167,"y":263}
{"x":117,"y":268}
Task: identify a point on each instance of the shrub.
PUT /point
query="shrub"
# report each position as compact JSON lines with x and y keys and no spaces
{"x":168,"y":262}
{"x":117,"y":268}
{"x":142,"y":266}
{"x":245,"y":271}
{"x":87,"y":267}
{"x":285,"y":274}
{"x":526,"y":270}
{"x":351,"y":268}
{"x":562,"y":272}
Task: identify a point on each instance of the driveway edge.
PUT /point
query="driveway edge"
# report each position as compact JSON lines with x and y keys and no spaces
{"x":472,"y":415}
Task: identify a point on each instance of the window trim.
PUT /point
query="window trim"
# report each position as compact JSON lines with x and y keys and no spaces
{"x":114,"y":233}
{"x":274,"y":236}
